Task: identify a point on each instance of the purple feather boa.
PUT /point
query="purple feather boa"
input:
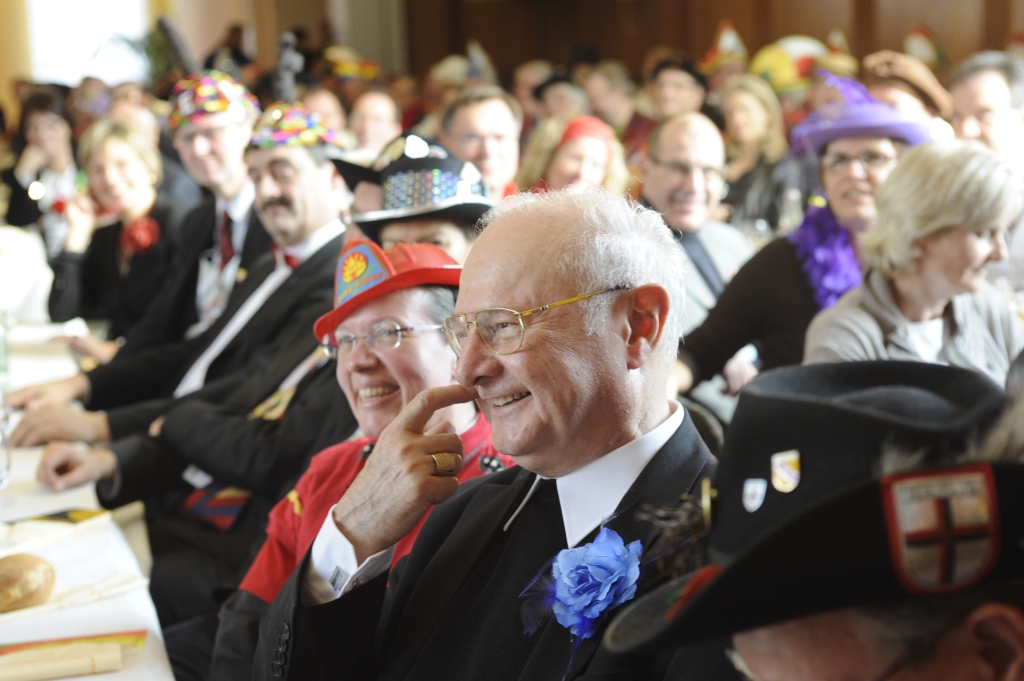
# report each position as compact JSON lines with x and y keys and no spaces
{"x":824,"y":249}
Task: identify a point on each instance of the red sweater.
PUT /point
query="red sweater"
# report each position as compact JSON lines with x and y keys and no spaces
{"x":296,"y":520}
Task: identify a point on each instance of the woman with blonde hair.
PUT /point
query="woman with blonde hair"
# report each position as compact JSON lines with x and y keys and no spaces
{"x":755,"y":148}
{"x":568,"y":151}
{"x":120,"y":234}
{"x":942,"y":216}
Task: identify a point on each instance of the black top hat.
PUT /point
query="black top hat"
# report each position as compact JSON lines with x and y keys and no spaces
{"x":421,"y":181}
{"x":801,"y":436}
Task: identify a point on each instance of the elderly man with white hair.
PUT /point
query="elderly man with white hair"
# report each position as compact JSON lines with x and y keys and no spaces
{"x":566,"y":326}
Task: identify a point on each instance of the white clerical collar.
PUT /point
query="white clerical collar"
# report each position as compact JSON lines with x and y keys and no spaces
{"x":590,"y":494}
{"x":303,"y":250}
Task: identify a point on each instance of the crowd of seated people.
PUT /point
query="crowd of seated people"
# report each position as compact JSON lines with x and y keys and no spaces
{"x":317,"y":320}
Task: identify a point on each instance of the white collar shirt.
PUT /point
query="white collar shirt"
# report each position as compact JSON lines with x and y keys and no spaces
{"x":590,"y":494}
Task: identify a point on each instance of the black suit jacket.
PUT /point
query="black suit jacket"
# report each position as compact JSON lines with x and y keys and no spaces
{"x":21,"y":210}
{"x":91,"y":284}
{"x":377,"y":630}
{"x":262,"y":456}
{"x":141,"y":386}
{"x":173,"y":310}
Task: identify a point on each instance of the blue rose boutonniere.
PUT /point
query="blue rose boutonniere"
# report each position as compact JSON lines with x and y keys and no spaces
{"x":584,"y":584}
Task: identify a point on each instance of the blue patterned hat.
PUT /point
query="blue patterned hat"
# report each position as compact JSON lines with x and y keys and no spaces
{"x":422,"y":181}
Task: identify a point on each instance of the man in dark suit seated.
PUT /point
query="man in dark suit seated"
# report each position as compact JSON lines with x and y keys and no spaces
{"x":220,"y":240}
{"x":574,"y":385}
{"x":299,"y":195}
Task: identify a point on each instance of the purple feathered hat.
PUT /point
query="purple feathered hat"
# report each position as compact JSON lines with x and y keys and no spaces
{"x":860,"y":115}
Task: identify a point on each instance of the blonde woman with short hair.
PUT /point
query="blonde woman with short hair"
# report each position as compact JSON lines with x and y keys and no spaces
{"x":121,"y":233}
{"x":942,"y":216}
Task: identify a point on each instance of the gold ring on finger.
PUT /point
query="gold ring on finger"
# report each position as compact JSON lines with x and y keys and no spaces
{"x":447,"y":463}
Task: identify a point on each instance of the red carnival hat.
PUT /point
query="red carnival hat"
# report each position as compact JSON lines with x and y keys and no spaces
{"x":365,"y":272}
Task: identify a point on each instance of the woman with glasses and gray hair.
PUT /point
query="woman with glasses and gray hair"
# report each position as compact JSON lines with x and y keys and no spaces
{"x":942,"y":217}
{"x":775,"y":295}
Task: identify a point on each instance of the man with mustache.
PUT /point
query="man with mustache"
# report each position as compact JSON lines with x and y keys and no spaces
{"x":231,"y":447}
{"x":299,"y":201}
{"x":684,"y":179}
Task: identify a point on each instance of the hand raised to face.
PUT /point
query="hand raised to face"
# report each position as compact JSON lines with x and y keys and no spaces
{"x":401,"y":480}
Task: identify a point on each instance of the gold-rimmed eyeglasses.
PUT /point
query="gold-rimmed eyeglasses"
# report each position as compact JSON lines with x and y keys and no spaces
{"x":501,"y":328}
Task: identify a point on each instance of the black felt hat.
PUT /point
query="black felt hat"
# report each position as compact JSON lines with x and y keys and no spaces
{"x":803,"y":438}
{"x":423,"y":181}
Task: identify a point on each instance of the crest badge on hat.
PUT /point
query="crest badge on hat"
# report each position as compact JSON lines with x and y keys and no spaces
{"x":360,"y":268}
{"x":943,"y":527}
{"x":754,"y":490}
{"x":786,"y":470}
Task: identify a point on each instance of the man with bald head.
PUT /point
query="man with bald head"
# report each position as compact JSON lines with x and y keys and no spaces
{"x":566,"y":326}
{"x":683,"y":178}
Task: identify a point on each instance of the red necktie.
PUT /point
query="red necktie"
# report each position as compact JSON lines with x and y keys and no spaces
{"x":290,"y":260}
{"x":224,"y":244}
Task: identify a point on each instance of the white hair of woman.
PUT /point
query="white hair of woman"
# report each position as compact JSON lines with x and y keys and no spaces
{"x":936,"y":186}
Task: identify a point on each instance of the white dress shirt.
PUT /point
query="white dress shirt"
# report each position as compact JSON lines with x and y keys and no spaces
{"x":588,"y":497}
{"x":216,"y":280}
{"x":195,"y":377}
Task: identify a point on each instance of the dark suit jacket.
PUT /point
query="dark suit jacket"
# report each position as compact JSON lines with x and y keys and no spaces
{"x":91,"y":284}
{"x":262,"y":456}
{"x":173,"y":310}
{"x":143,"y":384}
{"x":21,"y":210}
{"x":377,"y":630}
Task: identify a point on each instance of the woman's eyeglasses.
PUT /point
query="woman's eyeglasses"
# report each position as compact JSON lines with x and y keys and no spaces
{"x":385,"y":335}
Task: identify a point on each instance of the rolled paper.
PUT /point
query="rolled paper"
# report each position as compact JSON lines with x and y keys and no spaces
{"x":78,"y":659}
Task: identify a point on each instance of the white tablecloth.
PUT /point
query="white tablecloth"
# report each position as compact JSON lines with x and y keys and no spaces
{"x":80,"y":560}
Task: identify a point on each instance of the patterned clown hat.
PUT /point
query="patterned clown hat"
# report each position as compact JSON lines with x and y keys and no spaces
{"x":289,"y":124}
{"x":727,"y":48}
{"x":423,"y":181}
{"x":348,"y":64}
{"x":1015,"y":44}
{"x":920,"y":42}
{"x":838,"y":60}
{"x":210,"y":92}
{"x":365,"y":272}
{"x":787,"y":63}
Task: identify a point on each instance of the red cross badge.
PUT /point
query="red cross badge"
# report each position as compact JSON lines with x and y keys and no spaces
{"x":943,"y":527}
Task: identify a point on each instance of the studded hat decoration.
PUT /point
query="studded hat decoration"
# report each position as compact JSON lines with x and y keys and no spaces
{"x":209,"y":92}
{"x":291,"y":125}
{"x":420,"y":181}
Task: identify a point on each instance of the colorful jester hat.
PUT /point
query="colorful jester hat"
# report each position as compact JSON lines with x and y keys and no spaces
{"x":210,"y":92}
{"x":289,"y":124}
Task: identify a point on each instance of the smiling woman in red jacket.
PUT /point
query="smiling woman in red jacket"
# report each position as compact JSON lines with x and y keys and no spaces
{"x":386,"y":331}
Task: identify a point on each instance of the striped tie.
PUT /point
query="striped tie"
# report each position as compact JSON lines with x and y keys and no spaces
{"x":217,"y":505}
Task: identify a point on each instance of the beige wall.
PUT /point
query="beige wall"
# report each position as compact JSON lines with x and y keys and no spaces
{"x":15,"y":55}
{"x":202,"y":23}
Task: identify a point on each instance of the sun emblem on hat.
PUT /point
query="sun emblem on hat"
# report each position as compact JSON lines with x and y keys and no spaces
{"x":353,"y":267}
